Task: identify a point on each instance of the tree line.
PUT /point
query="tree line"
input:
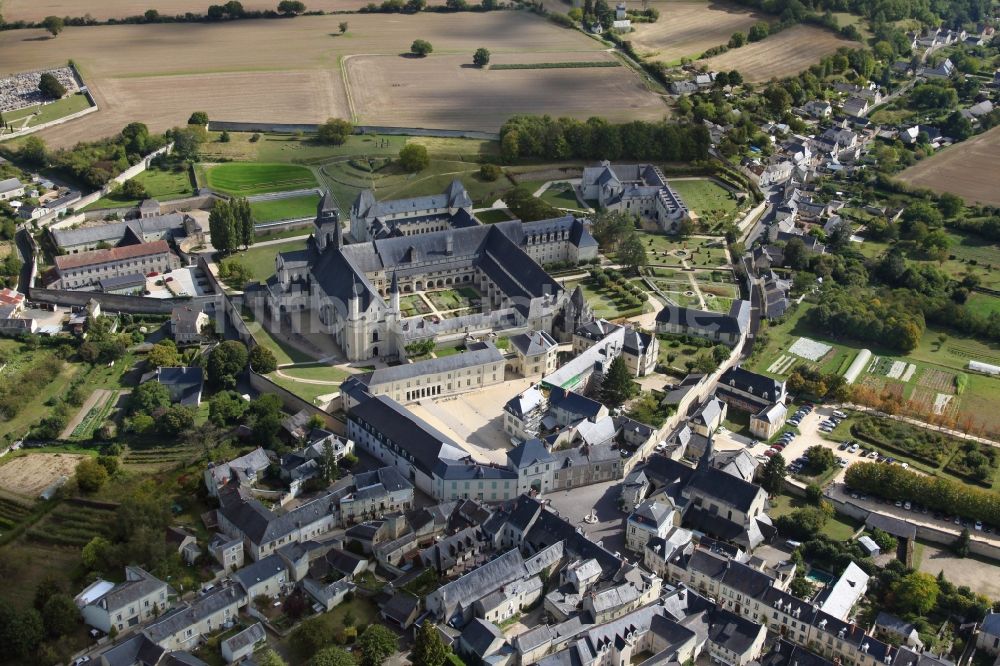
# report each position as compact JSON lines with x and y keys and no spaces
{"x":550,"y":138}
{"x":231,"y":225}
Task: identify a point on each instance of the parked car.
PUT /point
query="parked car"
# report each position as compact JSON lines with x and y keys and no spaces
{"x":907,"y":506}
{"x":979,"y":526}
{"x":842,"y":447}
{"x":840,"y":415}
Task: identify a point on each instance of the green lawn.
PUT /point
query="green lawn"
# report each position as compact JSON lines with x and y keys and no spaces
{"x":604,"y":305}
{"x":308,"y":392}
{"x":243,"y":179}
{"x":494,"y":215}
{"x":561,"y":195}
{"x":317,"y":371}
{"x":698,"y":251}
{"x":283,"y":352}
{"x":983,"y":304}
{"x":285,"y":209}
{"x":968,"y":254}
{"x":260,"y":260}
{"x":707,"y":199}
{"x":161,"y":184}
{"x":837,"y":527}
{"x":46,"y":113}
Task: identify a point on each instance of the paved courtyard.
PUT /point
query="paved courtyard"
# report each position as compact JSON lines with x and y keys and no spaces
{"x":574,"y":505}
{"x":475,"y":420}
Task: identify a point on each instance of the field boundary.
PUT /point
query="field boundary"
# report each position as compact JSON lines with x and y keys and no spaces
{"x":291,"y":128}
{"x":557,"y":65}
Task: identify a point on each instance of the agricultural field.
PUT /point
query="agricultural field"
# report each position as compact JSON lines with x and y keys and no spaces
{"x":292,"y":70}
{"x":968,"y":170}
{"x":932,"y":380}
{"x":36,"y":10}
{"x":688,"y":28}
{"x":71,"y":525}
{"x":389,"y":90}
{"x":160,"y":184}
{"x":245,"y":179}
{"x":28,"y":475}
{"x":784,"y":54}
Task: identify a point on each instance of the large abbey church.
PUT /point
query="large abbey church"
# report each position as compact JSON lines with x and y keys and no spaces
{"x":353,"y":291}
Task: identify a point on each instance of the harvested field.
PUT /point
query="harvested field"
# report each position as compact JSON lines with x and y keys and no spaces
{"x":969,"y":170}
{"x":689,"y":28}
{"x":36,"y":10}
{"x":29,"y":475}
{"x":389,"y":90}
{"x":938,"y":380}
{"x":287,"y":71}
{"x":784,"y":54}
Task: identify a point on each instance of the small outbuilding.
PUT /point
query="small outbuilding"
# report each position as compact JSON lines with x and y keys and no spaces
{"x":869,"y":546}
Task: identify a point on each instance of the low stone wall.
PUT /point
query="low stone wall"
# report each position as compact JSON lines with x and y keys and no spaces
{"x":117,"y":302}
{"x":294,"y":403}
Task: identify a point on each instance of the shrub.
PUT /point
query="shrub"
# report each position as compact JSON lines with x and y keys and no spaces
{"x":421,"y":47}
{"x":481,"y":57}
{"x":490,"y":172}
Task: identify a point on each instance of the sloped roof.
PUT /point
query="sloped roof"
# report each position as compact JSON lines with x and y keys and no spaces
{"x":96,"y":257}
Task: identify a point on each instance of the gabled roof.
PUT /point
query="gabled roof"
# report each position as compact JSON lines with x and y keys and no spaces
{"x":482,"y":637}
{"x":262,"y":570}
{"x":533,"y":343}
{"x":522,"y":404}
{"x":97,"y":257}
{"x":732,"y":632}
{"x":528,"y":453}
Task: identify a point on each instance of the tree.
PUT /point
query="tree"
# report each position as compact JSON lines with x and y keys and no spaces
{"x":53,"y":24}
{"x":151,"y":16}
{"x":33,"y":152}
{"x":175,"y":420}
{"x":490,"y":172}
{"x":617,"y":386}
{"x":148,"y":397}
{"x":291,"y":7}
{"x":819,"y":459}
{"x":413,"y":157}
{"x":916,"y":593}
{"x":421,"y":47}
{"x":266,"y":417}
{"x":224,"y":137}
{"x":611,"y":228}
{"x":262,"y":360}
{"x":21,"y":631}
{"x":961,"y":545}
{"x":163,"y":355}
{"x":45,"y":591}
{"x":50,"y":86}
{"x":269,"y":657}
{"x":225,"y":362}
{"x":950,"y":205}
{"x":59,"y":615}
{"x":243,"y":226}
{"x":198,"y":118}
{"x":686,"y":227}
{"x":772,"y":477}
{"x":481,"y":57}
{"x":377,"y":644}
{"x":226,"y":407}
{"x":737,"y":40}
{"x":90,"y":475}
{"x":332,"y":656}
{"x":632,"y":253}
{"x":334,"y":131}
{"x":428,"y":649}
{"x":758,"y":31}
{"x":735,"y":78}
{"x":133,"y":189}
{"x":222,"y":227}
{"x":343,"y":27}
{"x":187,"y":140}
{"x":95,"y":553}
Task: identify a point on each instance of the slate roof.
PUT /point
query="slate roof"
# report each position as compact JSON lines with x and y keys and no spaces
{"x":751,"y":382}
{"x":523,"y":404}
{"x":113,"y":232}
{"x":479,"y":353}
{"x":746,"y":579}
{"x":579,"y":405}
{"x":991,"y":624}
{"x":652,"y":512}
{"x":98,"y":257}
{"x":596,"y":330}
{"x":528,"y":453}
{"x":578,"y":233}
{"x":178,"y":619}
{"x":721,"y":486}
{"x":786,"y":653}
{"x":899,"y":626}
{"x":636,"y":342}
{"x":419,"y":439}
{"x":734,"y":322}
{"x":733,"y":632}
{"x":259,"y":571}
{"x":249,"y":636}
{"x":136,"y":649}
{"x":481,"y":581}
{"x":400,"y":607}
{"x":480,"y":636}
{"x":261,"y":525}
{"x":9,"y":185}
{"x":137,"y":585}
{"x":533,"y":343}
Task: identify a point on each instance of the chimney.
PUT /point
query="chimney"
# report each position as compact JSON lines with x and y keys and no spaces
{"x":449,"y":245}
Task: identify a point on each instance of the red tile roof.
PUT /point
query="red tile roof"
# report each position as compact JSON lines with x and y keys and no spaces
{"x":114,"y":254}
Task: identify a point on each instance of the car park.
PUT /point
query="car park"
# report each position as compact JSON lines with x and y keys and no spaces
{"x":842,"y":447}
{"x":840,"y":415}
